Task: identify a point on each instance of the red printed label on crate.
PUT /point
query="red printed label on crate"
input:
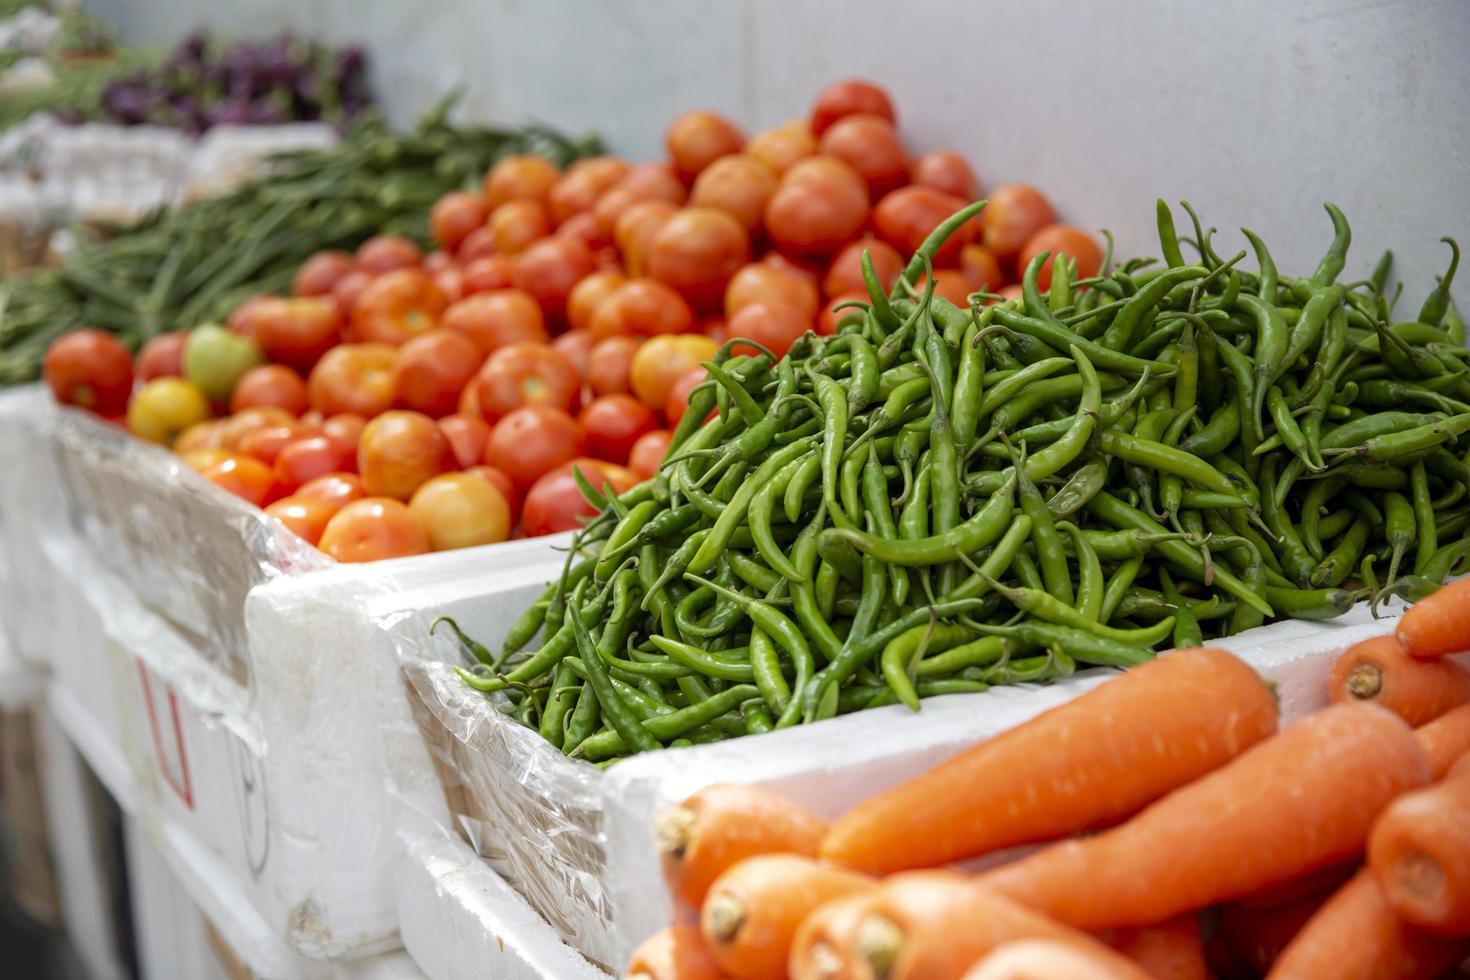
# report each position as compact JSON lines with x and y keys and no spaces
{"x":168,"y":735}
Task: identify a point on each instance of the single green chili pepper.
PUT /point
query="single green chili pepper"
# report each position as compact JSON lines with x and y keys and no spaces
{"x":1045,"y":606}
{"x":864,"y":374}
{"x":1268,"y":276}
{"x":1031,"y":299}
{"x":1168,"y":237}
{"x":614,"y":709}
{"x":697,"y":659}
{"x":1270,"y":352}
{"x":901,"y":656}
{"x":1083,"y":645}
{"x":1158,"y":456}
{"x":969,"y":390}
{"x":941,"y":233}
{"x":1118,"y":585}
{"x":674,"y":568}
{"x":606,"y":744}
{"x":1424,"y":518}
{"x":1444,"y":560}
{"x":982,"y":529}
{"x":1085,"y":482}
{"x":834,"y":435}
{"x":1119,"y":335}
{"x":875,"y":500}
{"x":1336,"y":257}
{"x":1101,"y":354}
{"x":877,"y":296}
{"x":1001,"y":557}
{"x":1314,"y":604}
{"x":1056,"y":574}
{"x":757,"y":718}
{"x":1090,"y":584}
{"x":765,"y":662}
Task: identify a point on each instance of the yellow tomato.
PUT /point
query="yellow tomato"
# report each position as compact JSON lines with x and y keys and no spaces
{"x":457,"y":510}
{"x":663,"y":360}
{"x":165,"y":407}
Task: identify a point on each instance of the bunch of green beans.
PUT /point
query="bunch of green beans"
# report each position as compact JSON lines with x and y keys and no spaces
{"x":937,"y":500}
{"x":195,"y":264}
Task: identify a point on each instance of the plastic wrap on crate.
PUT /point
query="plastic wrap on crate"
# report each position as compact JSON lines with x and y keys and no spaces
{"x":229,"y":156}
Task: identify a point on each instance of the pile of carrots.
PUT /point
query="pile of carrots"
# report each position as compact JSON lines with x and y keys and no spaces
{"x":1183,"y":836}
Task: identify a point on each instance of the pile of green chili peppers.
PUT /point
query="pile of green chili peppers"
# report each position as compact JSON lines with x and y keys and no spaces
{"x":936,"y":500}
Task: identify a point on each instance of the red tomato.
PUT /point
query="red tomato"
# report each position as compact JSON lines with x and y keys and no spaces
{"x":457,"y":510}
{"x":845,"y":274}
{"x":162,"y":356}
{"x":588,"y":294}
{"x":662,"y":361}
{"x":697,"y":139}
{"x":636,"y":229}
{"x":450,"y":282}
{"x":981,"y":268}
{"x":270,"y":384}
{"x":319,"y":275}
{"x":868,"y":145}
{"x":649,"y":451}
{"x":527,"y":374}
{"x":953,"y":285}
{"x":305,"y":517}
{"x":240,"y":425}
{"x":297,"y":331}
{"x":533,"y":440}
{"x":737,"y":184}
{"x":582,"y":228}
{"x":498,"y":480}
{"x":476,"y":245}
{"x":399,"y":451}
{"x":373,"y":528}
{"x":583,"y":183}
{"x":576,"y":347}
{"x":832,"y":317}
{"x":349,"y":288}
{"x":1057,"y":239}
{"x":524,"y":177}
{"x":549,"y":269}
{"x":781,"y":147}
{"x":346,"y":428}
{"x":496,"y":319}
{"x":249,"y":479}
{"x":432,"y":369}
{"x":609,"y":364}
{"x":849,"y":98}
{"x":645,"y":182}
{"x":947,"y":172}
{"x":467,"y":436}
{"x":697,"y":251}
{"x":241,"y":318}
{"x":774,"y":325}
{"x":454,"y":216}
{"x":396,"y":306}
{"x":384,"y":253}
{"x":678,"y":400}
{"x":817,"y":208}
{"x":1014,"y":213}
{"x":304,"y":460}
{"x":437,"y":261}
{"x":90,"y":369}
{"x":515,"y":225}
{"x":613,"y":423}
{"x":355,"y":378}
{"x":556,"y":503}
{"x":337,"y":489}
{"x":487,"y":273}
{"x":266,"y":443}
{"x":905,"y":218}
{"x":642,"y":308}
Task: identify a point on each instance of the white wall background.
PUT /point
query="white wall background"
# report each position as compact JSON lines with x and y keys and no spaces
{"x":1255,"y":110}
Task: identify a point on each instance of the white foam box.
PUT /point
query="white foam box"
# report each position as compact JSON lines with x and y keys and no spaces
{"x":577,"y":841}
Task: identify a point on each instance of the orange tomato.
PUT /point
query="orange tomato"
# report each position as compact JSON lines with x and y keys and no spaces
{"x":645,"y":182}
{"x":450,"y":282}
{"x":523,"y":177}
{"x":476,"y":245}
{"x":662,"y":361}
{"x":384,"y":253}
{"x":373,"y":528}
{"x":320,"y":273}
{"x":249,"y":479}
{"x":636,"y":229}
{"x":905,"y":218}
{"x":457,"y":510}
{"x":515,"y":225}
{"x":304,"y":460}
{"x":649,"y":451}
{"x":583,"y":183}
{"x":161,"y":357}
{"x":947,"y":172}
{"x":305,"y":517}
{"x":868,"y":145}
{"x":587,"y":294}
{"x":678,"y":400}
{"x":454,"y":216}
{"x":495,"y":319}
{"x":613,"y":423}
{"x":432,"y":369}
{"x":238,"y":426}
{"x":346,"y":429}
{"x":582,"y":228}
{"x":398,"y":451}
{"x":203,"y":458}
{"x":609,"y":365}
{"x":845,"y":274}
{"x":549,"y":269}
{"x":297,"y":331}
{"x":486,"y":273}
{"x":270,"y":384}
{"x":396,"y":306}
{"x":832,"y":317}
{"x":467,"y":436}
{"x":739,"y":185}
{"x":209,"y":434}
{"x":266,"y":443}
{"x":437,"y":261}
{"x":697,"y":139}
{"x":849,"y":98}
{"x":1058,"y":239}
{"x":697,"y":251}
{"x":981,"y":268}
{"x":533,"y":440}
{"x":643,"y":308}
{"x":527,"y":374}
{"x":820,"y":205}
{"x":356,"y":378}
{"x":782,"y":146}
{"x":90,"y":369}
{"x":774,"y":325}
{"x":762,"y":281}
{"x":1014,"y":213}
{"x":337,"y":489}
{"x":952,"y":284}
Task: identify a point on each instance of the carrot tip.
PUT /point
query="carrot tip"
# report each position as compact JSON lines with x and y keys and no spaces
{"x":1420,"y":875}
{"x":824,"y":962}
{"x":878,"y":942}
{"x":723,"y":916}
{"x":672,"y":831}
{"x":1365,"y":681}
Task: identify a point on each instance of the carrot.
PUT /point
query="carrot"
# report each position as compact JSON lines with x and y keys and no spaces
{"x":1259,"y":934}
{"x":720,"y":825}
{"x":1439,"y":623}
{"x":1356,"y":936}
{"x":1322,"y":882}
{"x":1301,"y":801}
{"x":675,"y":953}
{"x":831,"y":926}
{"x":1047,"y":959}
{"x":1091,"y":761}
{"x":1378,"y":670}
{"x":1460,"y":768}
{"x":1445,"y":739}
{"x":1168,"y":951}
{"x":1420,"y":850}
{"x":930,"y":925}
{"x":753,"y":910}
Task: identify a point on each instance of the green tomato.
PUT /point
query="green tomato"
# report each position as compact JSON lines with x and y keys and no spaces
{"x":215,"y":358}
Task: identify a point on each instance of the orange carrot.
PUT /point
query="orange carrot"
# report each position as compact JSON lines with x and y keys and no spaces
{"x":1049,"y":959}
{"x":1301,"y":801}
{"x":720,"y":825}
{"x":1322,"y":882}
{"x":1379,"y":671}
{"x":753,"y":910}
{"x":1438,"y":624}
{"x":1091,"y":761}
{"x":1168,"y":951}
{"x":1445,"y":739}
{"x":675,"y":953}
{"x":831,"y":926}
{"x":1259,"y":934}
{"x":1420,"y":850}
{"x":1460,"y":768}
{"x":1356,"y":936}
{"x":930,"y":925}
